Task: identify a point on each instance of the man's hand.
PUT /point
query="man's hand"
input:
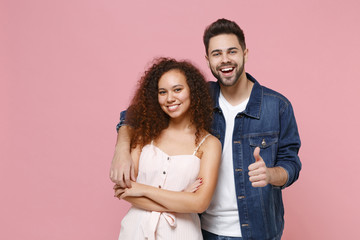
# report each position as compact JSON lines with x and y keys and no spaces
{"x":122,"y":169}
{"x":259,"y":174}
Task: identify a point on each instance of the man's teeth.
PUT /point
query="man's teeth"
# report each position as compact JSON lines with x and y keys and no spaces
{"x":226,"y":69}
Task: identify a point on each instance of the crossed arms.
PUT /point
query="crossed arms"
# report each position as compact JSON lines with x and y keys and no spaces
{"x":195,"y":199}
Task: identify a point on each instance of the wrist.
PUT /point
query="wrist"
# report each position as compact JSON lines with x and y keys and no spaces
{"x":277,"y":176}
{"x":122,"y":149}
{"x":145,"y":191}
{"x":270,"y":175}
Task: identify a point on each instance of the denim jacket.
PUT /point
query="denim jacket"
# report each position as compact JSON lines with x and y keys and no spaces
{"x":269,"y":123}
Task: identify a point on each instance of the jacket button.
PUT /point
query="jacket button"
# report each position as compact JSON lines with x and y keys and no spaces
{"x":241,"y":197}
{"x":245,"y":225}
{"x":238,"y":142}
{"x":263,"y":143}
{"x":238,"y":170}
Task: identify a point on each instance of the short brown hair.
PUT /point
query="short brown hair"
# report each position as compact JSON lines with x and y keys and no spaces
{"x":223,"y":26}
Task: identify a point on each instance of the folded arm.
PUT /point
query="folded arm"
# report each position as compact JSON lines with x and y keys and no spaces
{"x":146,"y":204}
{"x":183,"y":202}
{"x":150,"y":205}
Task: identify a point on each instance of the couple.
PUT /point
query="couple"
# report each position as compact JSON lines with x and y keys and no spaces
{"x":169,"y":142}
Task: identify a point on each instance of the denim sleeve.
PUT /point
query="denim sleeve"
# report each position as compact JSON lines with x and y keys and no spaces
{"x":289,"y":145}
{"x":122,"y":120}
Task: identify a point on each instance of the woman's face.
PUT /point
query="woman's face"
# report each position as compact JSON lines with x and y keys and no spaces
{"x":174,"y":94}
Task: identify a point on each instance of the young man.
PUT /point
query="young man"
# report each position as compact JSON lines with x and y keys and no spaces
{"x":249,"y":119}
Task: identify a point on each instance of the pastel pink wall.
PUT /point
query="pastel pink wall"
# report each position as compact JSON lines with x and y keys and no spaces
{"x":67,"y":68}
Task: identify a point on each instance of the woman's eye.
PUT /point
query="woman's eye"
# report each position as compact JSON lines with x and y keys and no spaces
{"x":162,"y":92}
{"x":177,"y":89}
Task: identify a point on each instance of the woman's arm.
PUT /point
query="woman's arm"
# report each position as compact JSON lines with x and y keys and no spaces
{"x":186,"y":202}
{"x":148,"y":204}
{"x":144,"y":202}
{"x":140,"y":202}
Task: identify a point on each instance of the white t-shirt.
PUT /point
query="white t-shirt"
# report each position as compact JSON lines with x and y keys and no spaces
{"x":222,"y":216}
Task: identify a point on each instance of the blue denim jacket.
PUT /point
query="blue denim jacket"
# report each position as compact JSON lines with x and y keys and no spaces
{"x":269,"y":123}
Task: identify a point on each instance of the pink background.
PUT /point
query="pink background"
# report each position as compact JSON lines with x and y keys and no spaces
{"x":67,"y":69}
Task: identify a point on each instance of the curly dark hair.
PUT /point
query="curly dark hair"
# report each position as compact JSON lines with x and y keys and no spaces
{"x":145,"y":114}
{"x":223,"y":26}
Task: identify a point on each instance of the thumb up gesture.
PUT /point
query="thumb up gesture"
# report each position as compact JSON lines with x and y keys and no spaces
{"x":259,"y":174}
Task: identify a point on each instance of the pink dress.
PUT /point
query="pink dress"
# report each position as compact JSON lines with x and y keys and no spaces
{"x":175,"y":173}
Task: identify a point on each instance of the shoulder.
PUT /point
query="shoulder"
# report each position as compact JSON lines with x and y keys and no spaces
{"x":272,"y":94}
{"x":212,"y":83}
{"x":272,"y":98}
{"x":213,"y":86}
{"x":212,"y":140}
{"x":267,"y":94}
{"x":211,"y":145}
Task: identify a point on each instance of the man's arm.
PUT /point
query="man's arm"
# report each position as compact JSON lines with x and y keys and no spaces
{"x":260,"y":175}
{"x":288,"y":146}
{"x":122,"y":168}
{"x":287,"y":166}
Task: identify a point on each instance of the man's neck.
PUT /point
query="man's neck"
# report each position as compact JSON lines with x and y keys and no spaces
{"x":239,"y":92}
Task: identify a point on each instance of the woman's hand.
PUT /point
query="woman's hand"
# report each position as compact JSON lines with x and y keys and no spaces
{"x":194,"y":186}
{"x":136,"y":190}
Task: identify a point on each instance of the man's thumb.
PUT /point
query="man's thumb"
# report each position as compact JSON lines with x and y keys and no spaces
{"x":257,"y":154}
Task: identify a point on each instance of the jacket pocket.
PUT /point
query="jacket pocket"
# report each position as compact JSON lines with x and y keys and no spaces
{"x":268,"y":147}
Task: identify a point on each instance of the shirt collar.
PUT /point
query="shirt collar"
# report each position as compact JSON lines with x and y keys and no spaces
{"x":253,"y":108}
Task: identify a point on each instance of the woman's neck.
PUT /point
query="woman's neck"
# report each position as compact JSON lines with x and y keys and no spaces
{"x":182,"y":124}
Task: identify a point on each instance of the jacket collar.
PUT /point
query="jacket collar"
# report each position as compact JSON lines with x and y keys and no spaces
{"x":253,"y":108}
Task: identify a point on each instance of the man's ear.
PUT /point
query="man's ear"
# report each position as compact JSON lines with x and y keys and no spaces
{"x":246,"y":53}
{"x":207,"y":60}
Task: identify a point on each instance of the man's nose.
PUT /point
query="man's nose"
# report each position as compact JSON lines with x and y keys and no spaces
{"x":225,"y":58}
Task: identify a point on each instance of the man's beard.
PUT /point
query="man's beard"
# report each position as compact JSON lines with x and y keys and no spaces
{"x":227,"y":83}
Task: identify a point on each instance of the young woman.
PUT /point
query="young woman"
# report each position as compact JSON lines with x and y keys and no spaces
{"x":173,"y":153}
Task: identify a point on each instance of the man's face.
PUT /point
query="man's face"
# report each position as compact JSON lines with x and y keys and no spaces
{"x":226,"y":58}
